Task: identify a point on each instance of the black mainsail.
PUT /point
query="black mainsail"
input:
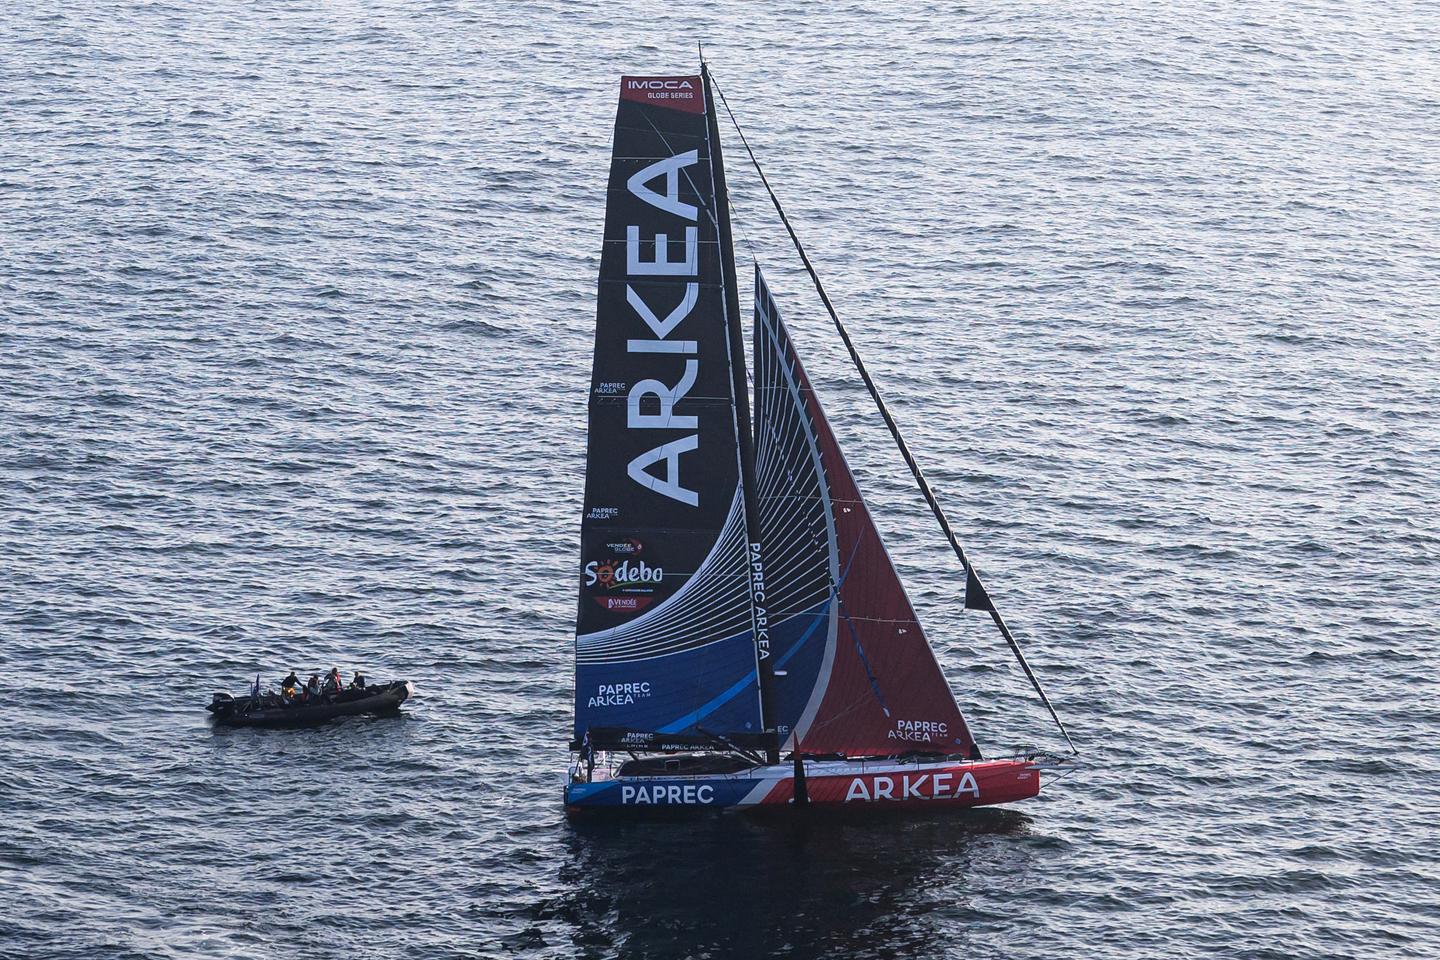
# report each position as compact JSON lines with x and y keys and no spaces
{"x":665,"y":638}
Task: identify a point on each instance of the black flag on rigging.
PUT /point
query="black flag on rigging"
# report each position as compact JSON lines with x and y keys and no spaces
{"x":975,"y":596}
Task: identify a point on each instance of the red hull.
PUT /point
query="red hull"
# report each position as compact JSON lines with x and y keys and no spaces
{"x":959,"y":784}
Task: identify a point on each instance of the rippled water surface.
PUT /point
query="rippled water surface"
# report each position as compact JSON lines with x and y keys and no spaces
{"x":295,"y":315}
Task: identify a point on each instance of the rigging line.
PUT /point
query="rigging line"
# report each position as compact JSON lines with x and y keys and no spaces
{"x":754,"y":261}
{"x":734,"y":219}
{"x":895,"y":429}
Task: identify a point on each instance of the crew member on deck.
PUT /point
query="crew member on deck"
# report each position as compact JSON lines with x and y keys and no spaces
{"x":288,"y":685}
{"x":312,"y":687}
{"x":359,"y":682}
{"x":333,"y":684}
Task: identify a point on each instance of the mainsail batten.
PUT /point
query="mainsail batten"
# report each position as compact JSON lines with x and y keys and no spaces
{"x":878,"y":688}
{"x":664,"y":635}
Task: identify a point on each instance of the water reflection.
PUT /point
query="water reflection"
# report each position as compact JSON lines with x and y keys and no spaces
{"x":837,"y":884}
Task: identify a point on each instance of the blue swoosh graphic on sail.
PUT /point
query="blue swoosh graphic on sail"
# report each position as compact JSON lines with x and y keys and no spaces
{"x":819,"y":618}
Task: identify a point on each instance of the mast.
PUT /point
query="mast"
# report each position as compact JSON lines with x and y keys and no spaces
{"x":976,"y":597}
{"x":754,"y":553}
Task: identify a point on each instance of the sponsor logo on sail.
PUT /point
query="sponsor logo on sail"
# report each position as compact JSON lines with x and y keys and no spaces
{"x":624,"y":604}
{"x":662,"y":301}
{"x":612,"y":575}
{"x":673,"y":91}
{"x":653,"y":84}
{"x":623,"y":582}
{"x":919,"y":731}
{"x":757,"y":593}
{"x":619,"y":694}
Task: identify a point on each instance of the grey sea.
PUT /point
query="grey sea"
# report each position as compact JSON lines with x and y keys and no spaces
{"x":296,"y":305}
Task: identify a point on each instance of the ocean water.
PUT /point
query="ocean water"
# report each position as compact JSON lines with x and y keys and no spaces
{"x":295,"y":316}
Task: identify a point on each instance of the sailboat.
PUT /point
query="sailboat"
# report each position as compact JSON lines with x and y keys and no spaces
{"x":743,"y":639}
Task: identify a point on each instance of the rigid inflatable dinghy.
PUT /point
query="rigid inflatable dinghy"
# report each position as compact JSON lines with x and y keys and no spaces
{"x":268,"y":710}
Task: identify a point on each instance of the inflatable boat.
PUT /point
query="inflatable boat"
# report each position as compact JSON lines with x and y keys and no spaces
{"x":268,"y":710}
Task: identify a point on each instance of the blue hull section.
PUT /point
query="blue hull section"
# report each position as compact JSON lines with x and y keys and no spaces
{"x":660,"y":793}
